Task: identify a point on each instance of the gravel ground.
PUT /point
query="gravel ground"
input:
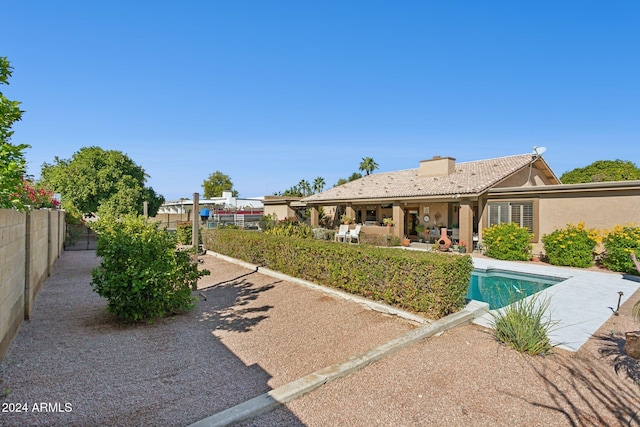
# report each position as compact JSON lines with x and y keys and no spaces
{"x":251,"y":334}
{"x":254,"y":333}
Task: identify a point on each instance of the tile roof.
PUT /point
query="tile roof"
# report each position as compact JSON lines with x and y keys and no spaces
{"x":469,"y":178}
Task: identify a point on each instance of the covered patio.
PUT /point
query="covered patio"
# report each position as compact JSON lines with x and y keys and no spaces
{"x":438,"y":194}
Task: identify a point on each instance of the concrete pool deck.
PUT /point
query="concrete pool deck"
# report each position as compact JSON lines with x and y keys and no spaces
{"x":580,"y":304}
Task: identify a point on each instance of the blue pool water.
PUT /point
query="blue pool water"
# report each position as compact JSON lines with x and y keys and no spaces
{"x":501,"y":287}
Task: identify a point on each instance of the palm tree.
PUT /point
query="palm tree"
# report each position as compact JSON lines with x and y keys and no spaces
{"x":304,"y":186}
{"x":368,"y":165}
{"x":318,"y":185}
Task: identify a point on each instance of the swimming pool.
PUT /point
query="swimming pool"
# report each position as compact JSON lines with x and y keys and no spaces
{"x":499,"y":288}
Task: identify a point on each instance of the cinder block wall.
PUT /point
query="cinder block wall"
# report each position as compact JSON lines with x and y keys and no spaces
{"x":37,"y":249}
{"x":30,"y":243}
{"x":12,"y":275}
{"x":54,"y":224}
{"x":62,"y":231}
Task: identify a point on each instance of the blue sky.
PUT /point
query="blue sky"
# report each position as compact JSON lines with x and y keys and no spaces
{"x":272,"y":92}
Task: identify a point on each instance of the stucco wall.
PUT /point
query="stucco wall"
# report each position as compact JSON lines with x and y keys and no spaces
{"x":281,"y":211}
{"x":524,"y":178}
{"x":596,"y":211}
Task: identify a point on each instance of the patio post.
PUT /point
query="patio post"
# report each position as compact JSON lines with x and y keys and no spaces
{"x":398,"y":219}
{"x":350,"y":211}
{"x":466,"y":223}
{"x":314,"y":217}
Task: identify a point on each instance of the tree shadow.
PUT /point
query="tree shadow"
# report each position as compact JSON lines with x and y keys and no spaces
{"x":225,"y":303}
{"x":593,"y":394}
{"x":173,"y":371}
{"x":612,"y":347}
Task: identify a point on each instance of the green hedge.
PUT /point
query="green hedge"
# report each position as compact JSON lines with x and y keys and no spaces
{"x":429,"y":283}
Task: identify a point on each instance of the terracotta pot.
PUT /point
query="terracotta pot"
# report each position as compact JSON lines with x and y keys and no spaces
{"x":444,"y":242}
{"x":406,"y":242}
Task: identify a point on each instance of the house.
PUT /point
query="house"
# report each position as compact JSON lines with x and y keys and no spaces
{"x":226,"y":209}
{"x":466,"y":197}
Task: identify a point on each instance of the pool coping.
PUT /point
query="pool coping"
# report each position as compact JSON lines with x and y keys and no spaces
{"x":580,"y":304}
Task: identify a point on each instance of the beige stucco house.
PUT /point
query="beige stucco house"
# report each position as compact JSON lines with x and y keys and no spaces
{"x":466,"y":197}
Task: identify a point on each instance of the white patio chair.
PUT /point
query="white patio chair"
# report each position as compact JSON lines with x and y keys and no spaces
{"x":341,"y":235}
{"x":354,"y":234}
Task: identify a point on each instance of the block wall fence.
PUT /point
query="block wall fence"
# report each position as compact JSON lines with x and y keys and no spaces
{"x":30,"y":244}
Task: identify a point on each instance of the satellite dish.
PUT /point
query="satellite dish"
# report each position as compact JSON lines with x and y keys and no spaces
{"x":538,"y":151}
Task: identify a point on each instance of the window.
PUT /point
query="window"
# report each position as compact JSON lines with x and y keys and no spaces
{"x":504,"y":212}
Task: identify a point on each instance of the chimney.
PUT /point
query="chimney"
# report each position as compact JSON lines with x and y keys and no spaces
{"x":436,"y":167}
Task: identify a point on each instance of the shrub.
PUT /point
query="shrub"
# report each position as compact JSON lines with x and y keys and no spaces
{"x":430,"y":283}
{"x":572,"y":246}
{"x":320,"y":233}
{"x":291,"y":227}
{"x":524,"y":326}
{"x":346,"y":219}
{"x":619,"y":242}
{"x":230,"y":226}
{"x":508,"y":242}
{"x":184,"y":233}
{"x":380,"y":239}
{"x":142,"y":274}
{"x":267,"y":222}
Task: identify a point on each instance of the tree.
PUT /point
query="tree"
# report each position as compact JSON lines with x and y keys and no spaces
{"x":351,"y":177}
{"x":305,"y":187}
{"x":291,"y":192}
{"x":142,"y":274}
{"x":12,"y":162}
{"x":602,"y":170}
{"x":94,"y":178}
{"x":368,"y":165}
{"x":216,"y":184}
{"x":318,"y":185}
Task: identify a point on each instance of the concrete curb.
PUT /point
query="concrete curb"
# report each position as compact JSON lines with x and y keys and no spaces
{"x":293,"y":390}
{"x":372,"y":305}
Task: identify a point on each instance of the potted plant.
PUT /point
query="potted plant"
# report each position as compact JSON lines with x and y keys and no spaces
{"x":420,"y":231}
{"x":346,"y":219}
{"x":406,"y":241}
{"x":388,"y":222}
{"x":462,"y":247}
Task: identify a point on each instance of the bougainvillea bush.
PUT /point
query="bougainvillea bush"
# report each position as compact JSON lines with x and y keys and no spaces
{"x":35,"y":196}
